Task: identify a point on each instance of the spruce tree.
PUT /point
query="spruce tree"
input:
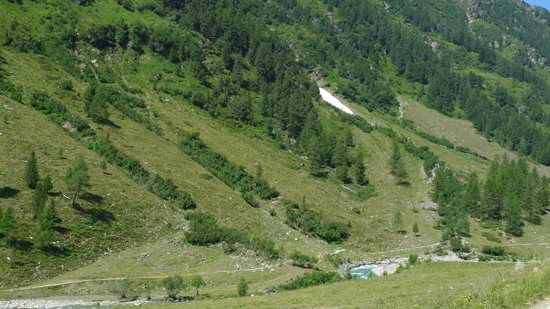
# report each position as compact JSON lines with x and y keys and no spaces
{"x":76,"y":176}
{"x":314,"y":156}
{"x":238,"y":70}
{"x":492,"y":199}
{"x":513,"y":215}
{"x":340,"y":157}
{"x":242,"y":287}
{"x":397,"y":165}
{"x":31,"y":172}
{"x":472,"y":195}
{"x":360,"y":177}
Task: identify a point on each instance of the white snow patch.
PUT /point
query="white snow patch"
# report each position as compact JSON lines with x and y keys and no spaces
{"x":329,"y":98}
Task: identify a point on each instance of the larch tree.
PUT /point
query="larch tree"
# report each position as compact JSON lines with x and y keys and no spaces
{"x":76,"y":176}
{"x":360,"y":177}
{"x":397,"y":165}
{"x":31,"y":172}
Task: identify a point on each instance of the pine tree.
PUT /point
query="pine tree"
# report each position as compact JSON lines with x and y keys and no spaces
{"x":96,"y":108}
{"x":492,"y":199}
{"x":415,"y":228}
{"x":8,"y":224}
{"x":349,"y":138}
{"x":340,"y":156}
{"x":360,"y":177}
{"x":513,"y":215}
{"x":31,"y":172}
{"x":242,"y":287}
{"x":227,"y":59}
{"x":45,"y":224}
{"x":76,"y":176}
{"x":40,"y":194}
{"x":397,"y":165}
{"x":238,"y":70}
{"x":472,"y":195}
{"x":314,"y":156}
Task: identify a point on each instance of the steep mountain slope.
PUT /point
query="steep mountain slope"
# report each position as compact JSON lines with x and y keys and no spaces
{"x":273,"y":169}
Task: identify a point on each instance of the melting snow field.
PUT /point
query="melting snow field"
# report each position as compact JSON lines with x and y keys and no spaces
{"x":334,"y":101}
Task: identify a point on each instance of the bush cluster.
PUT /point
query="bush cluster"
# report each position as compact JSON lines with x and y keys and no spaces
{"x":311,"y":279}
{"x":205,"y":231}
{"x":228,"y":172}
{"x":312,"y":223}
{"x":167,"y":190}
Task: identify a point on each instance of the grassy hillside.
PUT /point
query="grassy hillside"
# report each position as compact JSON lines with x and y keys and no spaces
{"x":244,"y":77}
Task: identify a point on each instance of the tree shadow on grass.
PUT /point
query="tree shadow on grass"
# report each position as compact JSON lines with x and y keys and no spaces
{"x":92,"y":198}
{"x":96,"y":214}
{"x":7,"y":192}
{"x":109,"y":123}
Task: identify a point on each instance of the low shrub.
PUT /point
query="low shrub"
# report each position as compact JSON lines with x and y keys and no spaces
{"x":311,"y":279}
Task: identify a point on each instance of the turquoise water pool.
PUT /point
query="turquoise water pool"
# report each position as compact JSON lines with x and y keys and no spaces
{"x":363,"y":271}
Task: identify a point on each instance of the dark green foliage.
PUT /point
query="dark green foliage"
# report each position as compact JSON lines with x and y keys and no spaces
{"x":513,"y":215}
{"x":31,"y":171}
{"x":413,"y":259}
{"x":397,"y":165}
{"x":472,"y":195}
{"x":302,"y":260}
{"x":311,"y":279}
{"x":44,"y":229}
{"x":360,"y":177}
{"x":242,"y":287}
{"x":415,"y":228}
{"x":76,"y":176}
{"x":249,"y":198}
{"x":205,"y":231}
{"x":96,"y":105}
{"x":59,"y":114}
{"x":313,"y":223}
{"x":167,"y":190}
{"x":458,"y":247}
{"x":39,"y":196}
{"x":232,"y":175}
{"x":494,"y":251}
{"x":357,"y":121}
{"x":66,"y":85}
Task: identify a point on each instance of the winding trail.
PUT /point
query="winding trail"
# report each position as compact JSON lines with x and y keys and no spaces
{"x":75,"y":281}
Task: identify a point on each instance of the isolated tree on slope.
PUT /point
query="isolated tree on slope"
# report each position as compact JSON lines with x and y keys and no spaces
{"x":76,"y":176}
{"x":397,"y":165}
{"x":31,"y":172}
{"x":197,"y":282}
